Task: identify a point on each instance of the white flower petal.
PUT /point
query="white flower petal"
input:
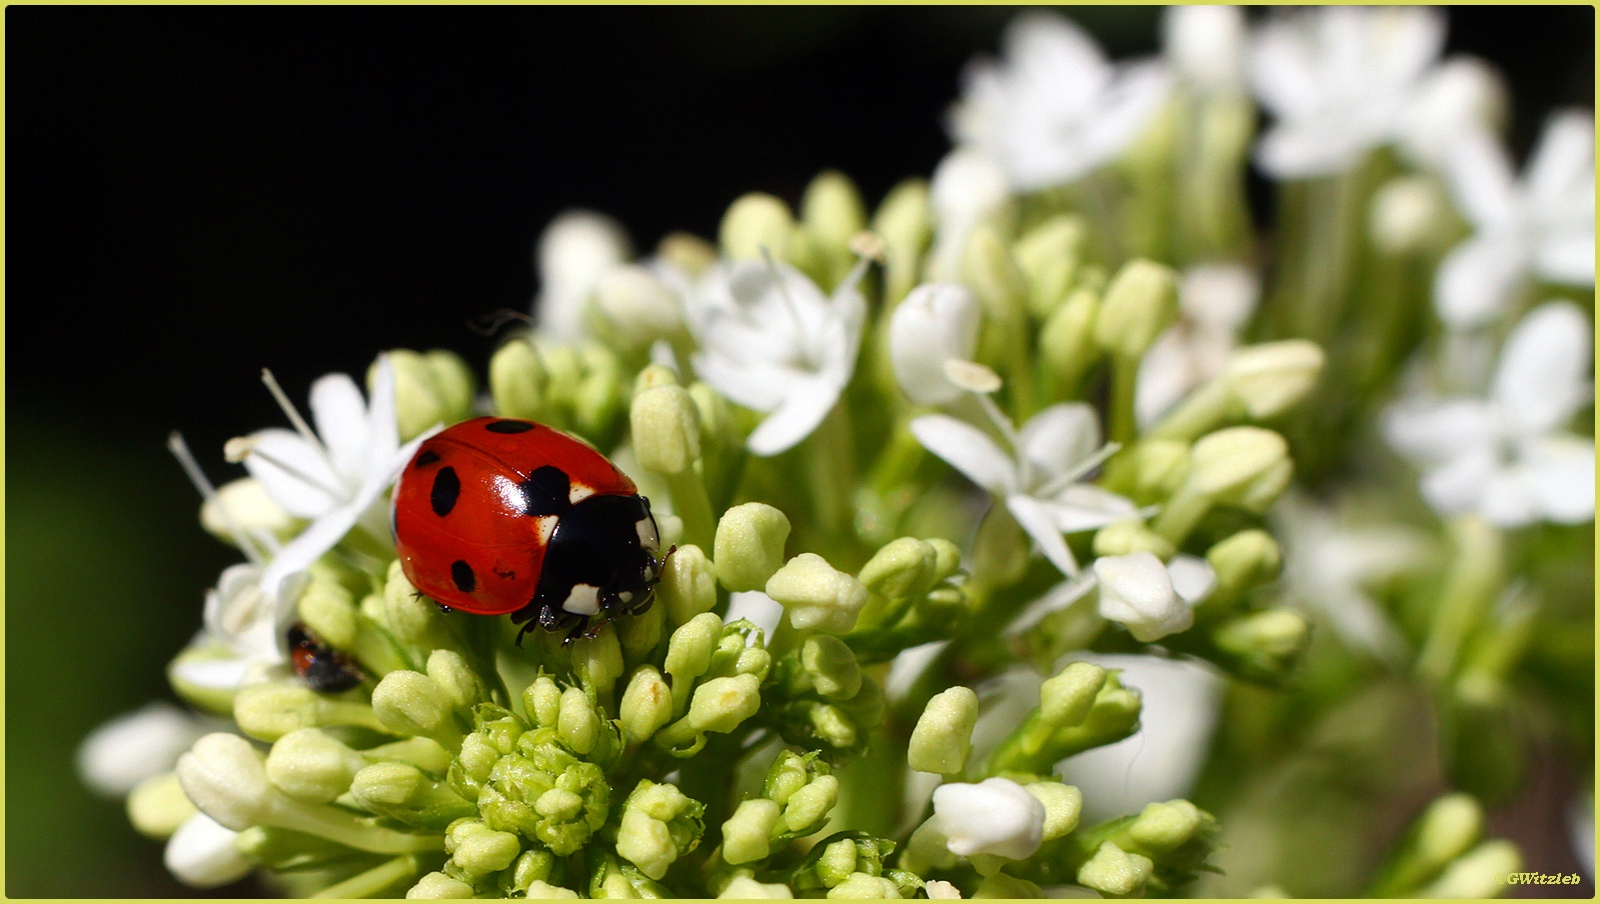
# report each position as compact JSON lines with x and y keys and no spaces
{"x":293,"y":472}
{"x":1462,"y":95}
{"x":222,"y":673}
{"x":967,"y":449}
{"x":995,"y":816}
{"x":806,"y":403}
{"x":1481,"y":180}
{"x":1136,"y":591}
{"x":1562,"y":161}
{"x":135,"y":746}
{"x":1457,"y":486}
{"x":1058,"y":438}
{"x":1477,"y":279}
{"x":1084,"y":506}
{"x":1561,"y":475}
{"x":340,"y":415}
{"x":304,"y":550}
{"x":574,"y":251}
{"x":1039,"y":522}
{"x":1205,"y":44}
{"x":383,"y":423}
{"x":202,"y":854}
{"x":1435,"y":431}
{"x":1543,"y":377}
{"x":937,"y":322}
{"x":1167,"y":373}
{"x":1192,"y":577}
{"x":1567,"y":259}
{"x":1508,"y":499}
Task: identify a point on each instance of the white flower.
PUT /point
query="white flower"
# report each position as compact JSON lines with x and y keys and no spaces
{"x":995,"y":816}
{"x":1179,"y":708}
{"x":936,"y":323}
{"x":1152,"y":599}
{"x":1039,"y":483}
{"x":1215,"y":301}
{"x":135,"y":746}
{"x":1541,"y":225}
{"x":1508,"y":457}
{"x":576,"y":249}
{"x":1205,"y":45}
{"x":1460,"y":96}
{"x":1328,"y":567}
{"x":333,"y":477}
{"x":938,"y":889}
{"x":967,"y":186}
{"x":1054,"y":108}
{"x":772,"y":341}
{"x":202,"y":854}
{"x":1339,"y":82}
{"x":245,"y":626}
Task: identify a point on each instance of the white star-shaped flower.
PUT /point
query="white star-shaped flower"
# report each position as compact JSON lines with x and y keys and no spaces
{"x":1339,"y":82}
{"x":1541,"y":225}
{"x":770,"y":340}
{"x":1205,"y":46}
{"x":334,"y":477}
{"x":1215,"y":301}
{"x":1054,"y":108}
{"x":574,"y":252}
{"x":245,"y":627}
{"x":1508,"y":457}
{"x":1039,"y":483}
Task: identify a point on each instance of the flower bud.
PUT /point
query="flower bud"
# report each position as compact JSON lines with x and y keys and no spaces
{"x":269,"y":710}
{"x":328,"y":609}
{"x":309,"y":765}
{"x":858,"y":886}
{"x":646,"y":705}
{"x":996,"y":816}
{"x":753,"y":225}
{"x":1448,"y":828}
{"x":1247,"y":559}
{"x":934,"y":324}
{"x":689,"y":653}
{"x":1410,"y":215}
{"x":578,"y":724}
{"x":244,"y":505}
{"x":1048,"y":257}
{"x":433,"y":388}
{"x":1163,"y":827}
{"x":659,"y":825}
{"x":666,"y":429}
{"x":748,"y":549}
{"x":901,"y":569}
{"x":994,"y":276}
{"x":541,"y":700}
{"x":1067,"y":345}
{"x":157,"y":806}
{"x":1125,"y":537}
{"x":597,"y":658}
{"x":1269,"y":379}
{"x":807,"y":808}
{"x":1136,"y":591}
{"x":942,"y":740}
{"x":938,"y":889}
{"x":517,"y":381}
{"x":1479,"y":874}
{"x":1001,"y":886}
{"x":460,"y":683}
{"x":720,"y":704}
{"x":402,"y":791}
{"x":202,"y":854}
{"x":688,"y":585}
{"x":135,"y":746}
{"x":688,"y":253}
{"x":227,"y":779}
{"x":744,"y":888}
{"x":815,"y":595}
{"x":1153,"y":469}
{"x":903,"y":221}
{"x":410,"y":703}
{"x":1063,"y":804}
{"x":746,"y":835}
{"x":832,"y":210}
{"x":1066,"y":698}
{"x":1266,"y":644}
{"x":638,"y":306}
{"x":1139,"y":305}
{"x":574,"y":250}
{"x":478,"y":850}
{"x":1114,"y":872}
{"x":438,"y":885}
{"x":1243,"y":466}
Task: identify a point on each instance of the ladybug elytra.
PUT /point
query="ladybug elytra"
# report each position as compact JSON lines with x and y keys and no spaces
{"x":497,"y":516}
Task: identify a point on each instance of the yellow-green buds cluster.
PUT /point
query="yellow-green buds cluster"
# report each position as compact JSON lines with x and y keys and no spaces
{"x":659,"y":825}
{"x":821,"y":699}
{"x":852,"y":865}
{"x":433,"y":388}
{"x":576,"y":388}
{"x":1082,"y":707}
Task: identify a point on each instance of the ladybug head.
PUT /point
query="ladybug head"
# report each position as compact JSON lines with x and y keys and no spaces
{"x":603,"y":561}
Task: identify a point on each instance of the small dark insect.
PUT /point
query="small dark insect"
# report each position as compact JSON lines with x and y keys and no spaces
{"x":323,"y":669}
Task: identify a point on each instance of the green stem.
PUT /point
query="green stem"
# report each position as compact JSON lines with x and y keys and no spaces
{"x":691,"y":503}
{"x":374,"y":882}
{"x":1124,"y":384}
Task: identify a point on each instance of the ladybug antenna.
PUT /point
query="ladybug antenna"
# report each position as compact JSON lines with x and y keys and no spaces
{"x":208,"y":492}
{"x":489,"y":324}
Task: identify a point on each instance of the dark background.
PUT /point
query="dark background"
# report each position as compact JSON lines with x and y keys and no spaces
{"x":196,"y":193}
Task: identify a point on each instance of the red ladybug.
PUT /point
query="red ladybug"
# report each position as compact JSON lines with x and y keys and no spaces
{"x":496,"y":516}
{"x":320,"y":666}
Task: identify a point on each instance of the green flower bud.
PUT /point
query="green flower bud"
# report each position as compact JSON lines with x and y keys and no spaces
{"x":423,"y":753}
{"x":544,"y":890}
{"x":862,"y":885}
{"x":659,"y":825}
{"x":832,"y":211}
{"x":1247,"y":559}
{"x":541,"y":700}
{"x":994,"y":276}
{"x":754,"y":222}
{"x":1114,"y":872}
{"x":1067,"y":344}
{"x":244,"y":505}
{"x":598,"y":397}
{"x":831,"y":666}
{"x":901,"y":569}
{"x":646,"y":705}
{"x":638,"y":308}
{"x":413,"y":619}
{"x":1163,"y":827}
{"x":1063,"y":804}
{"x":271,"y":709}
{"x":807,"y":809}
{"x":1479,"y":874}
{"x":745,"y":888}
{"x":598,"y":660}
{"x":578,"y":723}
{"x":688,"y":584}
{"x":1000,"y":549}
{"x":749,"y":545}
{"x":1150,"y":471}
{"x":404,"y":792}
{"x":460,"y":683}
{"x":438,"y":885}
{"x":904,"y":221}
{"x":411,"y":703}
{"x":720,"y":704}
{"x":1048,"y":257}
{"x":942,"y":740}
{"x":1268,"y":380}
{"x":946,"y":558}
{"x":157,"y":806}
{"x":1243,"y":466}
{"x":429,"y":389}
{"x":666,"y":429}
{"x":1139,"y":305}
{"x":308,"y":765}
{"x":689,"y":253}
{"x":838,"y":862}
{"x":1126,"y":537}
{"x":1066,"y":698}
{"x":816,"y":596}
{"x":517,"y":380}
{"x":1448,"y":828}
{"x":477,"y":850}
{"x":530,"y":867}
{"x":1410,"y":215}
{"x":689,"y":653}
{"x":746,"y":835}
{"x":330,"y":612}
{"x":611,"y":878}
{"x":564,"y":369}
{"x":1264,"y":645}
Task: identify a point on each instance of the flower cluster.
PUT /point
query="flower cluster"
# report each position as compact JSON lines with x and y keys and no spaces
{"x":974,"y":501}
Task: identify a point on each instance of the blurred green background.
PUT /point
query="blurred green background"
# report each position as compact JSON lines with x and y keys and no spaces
{"x":197,"y":193}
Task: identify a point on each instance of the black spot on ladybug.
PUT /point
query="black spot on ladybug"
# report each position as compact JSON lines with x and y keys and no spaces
{"x":427,"y":457}
{"x":446,"y":489}
{"x":508,"y":426}
{"x":461,"y":573}
{"x":545,"y":492}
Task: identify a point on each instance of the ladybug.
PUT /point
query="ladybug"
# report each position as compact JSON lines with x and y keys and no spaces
{"x":496,"y":516}
{"x":320,"y":666}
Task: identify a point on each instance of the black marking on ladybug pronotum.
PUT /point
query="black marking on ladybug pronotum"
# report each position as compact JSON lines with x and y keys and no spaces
{"x":446,"y":490}
{"x":461,"y":573}
{"x":508,"y":426}
{"x":427,"y":457}
{"x":545,"y":492}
